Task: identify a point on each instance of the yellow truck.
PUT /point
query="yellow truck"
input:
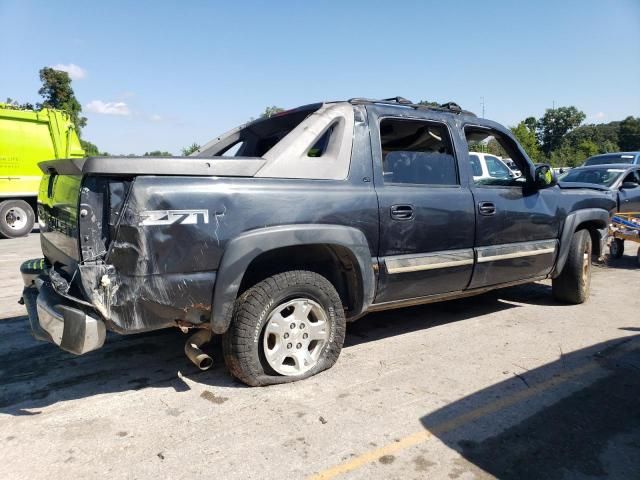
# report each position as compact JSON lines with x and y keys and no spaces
{"x":28,"y":137}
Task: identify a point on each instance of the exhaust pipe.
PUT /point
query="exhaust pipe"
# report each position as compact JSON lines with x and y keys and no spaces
{"x":193,"y":352}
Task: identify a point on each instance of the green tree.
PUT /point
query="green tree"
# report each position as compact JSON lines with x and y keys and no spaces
{"x":528,"y":140}
{"x":57,"y":93}
{"x":19,"y":106}
{"x":190,"y":149}
{"x":271,"y":111}
{"x":157,"y":153}
{"x":90,"y":150}
{"x":428,"y":103}
{"x":603,"y":135}
{"x":555,"y":124}
{"x":564,"y":156}
{"x":531,"y":123}
{"x":494,"y":148}
{"x":629,"y":134}
{"x":586,"y":149}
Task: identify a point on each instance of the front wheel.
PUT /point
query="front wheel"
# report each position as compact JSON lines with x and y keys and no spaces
{"x":16,"y":218}
{"x":288,"y":327}
{"x":573,"y":284}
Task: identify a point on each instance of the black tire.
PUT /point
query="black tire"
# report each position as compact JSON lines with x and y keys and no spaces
{"x":638,"y":256}
{"x":573,"y":284}
{"x":243,"y":346}
{"x":16,"y":212}
{"x":616,"y":249}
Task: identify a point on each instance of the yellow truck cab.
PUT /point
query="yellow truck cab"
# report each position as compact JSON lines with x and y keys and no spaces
{"x":28,"y":137}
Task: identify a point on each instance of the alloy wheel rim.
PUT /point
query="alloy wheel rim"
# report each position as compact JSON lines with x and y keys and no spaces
{"x":294,"y":336}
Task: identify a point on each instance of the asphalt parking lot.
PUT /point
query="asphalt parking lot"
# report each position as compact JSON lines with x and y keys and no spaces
{"x":507,"y":385}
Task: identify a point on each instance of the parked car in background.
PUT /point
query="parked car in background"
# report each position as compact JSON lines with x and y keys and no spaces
{"x":512,"y":166}
{"x":560,"y":170}
{"x":485,"y":166}
{"x":622,"y":179}
{"x":632,"y":158}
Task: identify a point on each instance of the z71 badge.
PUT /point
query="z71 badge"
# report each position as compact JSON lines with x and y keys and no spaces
{"x":169,"y":217}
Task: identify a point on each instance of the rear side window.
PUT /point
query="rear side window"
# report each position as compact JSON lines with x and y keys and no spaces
{"x":496,"y":168}
{"x":417,"y":152}
{"x":476,"y":167}
{"x":609,"y":159}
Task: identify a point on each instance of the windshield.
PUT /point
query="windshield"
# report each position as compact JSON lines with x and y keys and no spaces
{"x":609,"y":159}
{"x":600,"y":176}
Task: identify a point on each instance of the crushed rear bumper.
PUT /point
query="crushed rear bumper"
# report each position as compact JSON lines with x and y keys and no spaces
{"x":56,"y":319}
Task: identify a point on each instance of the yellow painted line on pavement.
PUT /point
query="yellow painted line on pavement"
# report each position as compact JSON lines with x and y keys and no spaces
{"x":456,"y":422}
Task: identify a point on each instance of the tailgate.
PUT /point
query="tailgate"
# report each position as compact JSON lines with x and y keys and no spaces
{"x":58,"y":218}
{"x":77,"y":213}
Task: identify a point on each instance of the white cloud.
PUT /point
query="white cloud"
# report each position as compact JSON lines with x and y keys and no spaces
{"x":600,"y":115}
{"x":108,"y":108}
{"x":75,"y":72}
{"x":155,"y":118}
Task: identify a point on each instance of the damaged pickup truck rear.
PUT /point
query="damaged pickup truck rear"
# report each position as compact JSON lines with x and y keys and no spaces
{"x":277,"y":233}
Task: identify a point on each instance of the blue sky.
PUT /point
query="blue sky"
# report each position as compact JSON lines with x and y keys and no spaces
{"x":161,"y":75}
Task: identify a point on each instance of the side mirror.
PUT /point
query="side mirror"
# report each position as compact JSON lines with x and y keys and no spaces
{"x":544,"y":176}
{"x":629,"y":185}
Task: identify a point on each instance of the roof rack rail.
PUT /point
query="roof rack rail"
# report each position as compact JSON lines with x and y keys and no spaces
{"x":450,"y":107}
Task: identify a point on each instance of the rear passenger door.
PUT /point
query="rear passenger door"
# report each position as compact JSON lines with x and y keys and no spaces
{"x":426,"y":215}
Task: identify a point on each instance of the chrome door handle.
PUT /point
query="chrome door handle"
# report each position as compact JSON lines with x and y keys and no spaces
{"x":486,"y":208}
{"x":401,"y":212}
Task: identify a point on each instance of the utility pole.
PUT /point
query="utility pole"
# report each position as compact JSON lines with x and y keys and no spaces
{"x":482,"y":103}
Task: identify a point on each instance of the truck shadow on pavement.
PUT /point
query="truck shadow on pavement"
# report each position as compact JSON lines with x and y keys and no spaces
{"x":577,"y":417}
{"x":34,"y":374}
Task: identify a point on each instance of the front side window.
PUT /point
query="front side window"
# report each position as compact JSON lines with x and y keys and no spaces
{"x":417,"y":152}
{"x":633,"y":177}
{"x":492,"y":146}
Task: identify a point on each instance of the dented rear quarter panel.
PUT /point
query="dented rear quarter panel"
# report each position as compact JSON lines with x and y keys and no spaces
{"x":162,"y":273}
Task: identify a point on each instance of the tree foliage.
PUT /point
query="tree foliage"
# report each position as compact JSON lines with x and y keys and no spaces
{"x":428,"y":103}
{"x":57,"y":93}
{"x":555,"y":124}
{"x":90,"y":150}
{"x":629,"y":134}
{"x":527,"y":138}
{"x":186,"y":151}
{"x":13,"y":104}
{"x":271,"y":111}
{"x":157,"y":153}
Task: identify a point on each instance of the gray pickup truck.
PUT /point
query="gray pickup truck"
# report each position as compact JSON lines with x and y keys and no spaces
{"x":277,"y":233}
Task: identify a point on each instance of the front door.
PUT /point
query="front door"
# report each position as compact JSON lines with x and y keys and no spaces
{"x":517,"y":226}
{"x":629,"y":198}
{"x":426,"y":215}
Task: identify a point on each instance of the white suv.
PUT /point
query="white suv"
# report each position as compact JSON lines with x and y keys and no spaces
{"x":485,"y":165}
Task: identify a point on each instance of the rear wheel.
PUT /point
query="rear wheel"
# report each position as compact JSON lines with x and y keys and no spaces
{"x":573,"y":284}
{"x":16,"y":218}
{"x":288,"y":327}
{"x":616,"y":249}
{"x":638,"y":256}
